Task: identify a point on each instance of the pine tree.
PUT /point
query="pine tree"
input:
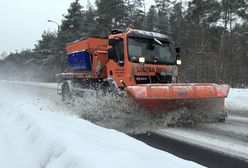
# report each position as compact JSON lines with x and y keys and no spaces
{"x":46,"y":49}
{"x":230,"y":11}
{"x":138,"y":19}
{"x":163,"y":16}
{"x":70,"y":29}
{"x":3,"y":55}
{"x":151,"y":19}
{"x":110,"y":14}
{"x":203,"y":14}
{"x":89,"y":21}
{"x":135,"y":13}
{"x":240,"y":54}
{"x":177,"y":23}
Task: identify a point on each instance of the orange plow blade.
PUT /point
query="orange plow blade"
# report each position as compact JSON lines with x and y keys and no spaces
{"x":170,"y":97}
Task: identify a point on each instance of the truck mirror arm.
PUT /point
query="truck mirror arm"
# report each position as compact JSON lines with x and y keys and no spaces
{"x":111,"y":53}
{"x":178,"y":51}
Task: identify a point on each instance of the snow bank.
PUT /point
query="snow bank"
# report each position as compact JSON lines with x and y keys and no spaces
{"x":237,"y":100}
{"x":35,"y":137}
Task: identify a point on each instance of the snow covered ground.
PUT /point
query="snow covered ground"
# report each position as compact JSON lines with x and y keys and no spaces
{"x":237,"y":100}
{"x":37,"y":132}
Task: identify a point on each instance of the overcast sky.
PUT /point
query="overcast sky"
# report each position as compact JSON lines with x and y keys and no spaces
{"x":23,"y":21}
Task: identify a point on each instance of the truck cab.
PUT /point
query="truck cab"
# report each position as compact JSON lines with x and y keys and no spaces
{"x":141,"y":57}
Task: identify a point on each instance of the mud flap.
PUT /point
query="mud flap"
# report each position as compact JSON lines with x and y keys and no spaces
{"x":113,"y":86}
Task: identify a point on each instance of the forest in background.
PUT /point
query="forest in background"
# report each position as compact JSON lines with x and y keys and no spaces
{"x":212,"y":34}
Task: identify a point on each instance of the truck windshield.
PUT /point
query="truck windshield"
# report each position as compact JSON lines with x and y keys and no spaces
{"x":154,"y":51}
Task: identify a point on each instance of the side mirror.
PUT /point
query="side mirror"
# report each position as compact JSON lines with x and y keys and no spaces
{"x":111,"y":54}
{"x":178,"y":52}
{"x":120,"y":63}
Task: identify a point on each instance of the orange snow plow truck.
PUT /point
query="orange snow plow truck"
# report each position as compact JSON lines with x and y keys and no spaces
{"x":143,"y":66}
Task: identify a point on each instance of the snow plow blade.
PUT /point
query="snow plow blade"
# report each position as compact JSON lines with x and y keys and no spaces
{"x":170,"y":97}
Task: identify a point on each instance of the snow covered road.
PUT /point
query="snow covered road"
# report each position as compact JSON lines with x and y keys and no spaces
{"x":230,"y":138}
{"x":36,"y":131}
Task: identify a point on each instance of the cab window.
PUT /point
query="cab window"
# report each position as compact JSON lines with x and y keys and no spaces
{"x":119,"y":49}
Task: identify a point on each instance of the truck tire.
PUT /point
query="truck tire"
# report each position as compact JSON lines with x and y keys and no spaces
{"x":67,"y":91}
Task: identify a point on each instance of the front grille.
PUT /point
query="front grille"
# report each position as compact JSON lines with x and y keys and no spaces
{"x":153,"y":79}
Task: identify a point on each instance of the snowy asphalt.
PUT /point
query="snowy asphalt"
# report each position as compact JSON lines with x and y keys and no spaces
{"x":186,"y":150}
{"x":212,"y":145}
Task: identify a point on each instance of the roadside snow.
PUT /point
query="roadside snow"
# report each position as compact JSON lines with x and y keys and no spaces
{"x":237,"y":100}
{"x":40,"y":135}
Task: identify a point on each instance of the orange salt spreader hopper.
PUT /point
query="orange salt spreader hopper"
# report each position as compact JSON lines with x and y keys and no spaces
{"x":143,"y":65}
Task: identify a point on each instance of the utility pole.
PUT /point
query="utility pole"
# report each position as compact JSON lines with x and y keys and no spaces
{"x":51,"y":21}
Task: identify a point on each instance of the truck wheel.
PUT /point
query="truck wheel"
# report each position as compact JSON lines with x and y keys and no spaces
{"x":66,"y":92}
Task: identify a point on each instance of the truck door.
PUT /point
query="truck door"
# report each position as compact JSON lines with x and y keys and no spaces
{"x":116,"y":63}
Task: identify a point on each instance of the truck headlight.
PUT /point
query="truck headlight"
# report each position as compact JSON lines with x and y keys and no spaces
{"x":142,"y":59}
{"x":179,"y":62}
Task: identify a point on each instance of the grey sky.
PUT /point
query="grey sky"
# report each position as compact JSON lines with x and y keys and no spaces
{"x":23,"y":21}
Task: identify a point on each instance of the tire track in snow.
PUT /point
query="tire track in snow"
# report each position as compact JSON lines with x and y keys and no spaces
{"x":237,"y":120}
{"x":228,"y":130}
